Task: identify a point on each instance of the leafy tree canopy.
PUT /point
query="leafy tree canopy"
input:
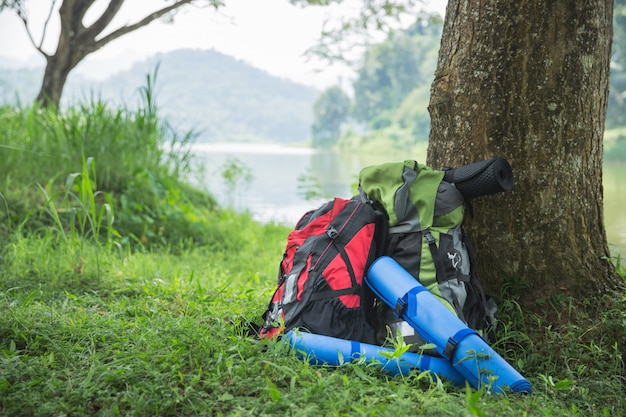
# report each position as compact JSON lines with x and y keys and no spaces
{"x":396,"y":66}
{"x":330,"y":111}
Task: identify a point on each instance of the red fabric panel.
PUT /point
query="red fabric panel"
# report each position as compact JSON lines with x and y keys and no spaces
{"x":336,"y":273}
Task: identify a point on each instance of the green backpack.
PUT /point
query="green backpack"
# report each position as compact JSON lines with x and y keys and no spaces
{"x":426,"y":237}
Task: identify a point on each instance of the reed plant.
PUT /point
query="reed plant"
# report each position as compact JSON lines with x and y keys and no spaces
{"x":142,"y":164}
{"x":41,"y":143}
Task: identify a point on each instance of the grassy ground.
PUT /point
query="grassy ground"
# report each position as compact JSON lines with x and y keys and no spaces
{"x":92,"y":330}
{"x":125,"y":292}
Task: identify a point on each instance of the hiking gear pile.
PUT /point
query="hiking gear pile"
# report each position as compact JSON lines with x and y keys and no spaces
{"x":407,"y":212}
{"x":425,"y":236}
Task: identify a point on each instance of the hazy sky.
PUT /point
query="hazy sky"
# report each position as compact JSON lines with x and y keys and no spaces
{"x":268,"y":34}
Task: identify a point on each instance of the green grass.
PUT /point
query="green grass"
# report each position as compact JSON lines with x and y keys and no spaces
{"x":127,"y":292}
{"x":157,"y":333}
{"x":90,"y":164}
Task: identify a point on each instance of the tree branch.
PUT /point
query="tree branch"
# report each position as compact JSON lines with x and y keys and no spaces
{"x":45,"y":25}
{"x":103,"y":21}
{"x":143,"y":22}
{"x":22,"y":15}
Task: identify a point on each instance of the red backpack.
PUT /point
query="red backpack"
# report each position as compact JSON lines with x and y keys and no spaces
{"x":320,"y":281}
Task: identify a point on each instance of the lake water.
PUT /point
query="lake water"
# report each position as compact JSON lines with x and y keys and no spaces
{"x":275,"y":191}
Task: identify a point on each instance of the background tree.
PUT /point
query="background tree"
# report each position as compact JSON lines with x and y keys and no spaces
{"x":77,"y":39}
{"x":330,"y":111}
{"x":617,"y":94}
{"x":390,"y":70}
{"x":529,"y":81}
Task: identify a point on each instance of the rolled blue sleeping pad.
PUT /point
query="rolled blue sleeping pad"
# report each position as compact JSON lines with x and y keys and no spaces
{"x":466,"y":350}
{"x":327,"y":350}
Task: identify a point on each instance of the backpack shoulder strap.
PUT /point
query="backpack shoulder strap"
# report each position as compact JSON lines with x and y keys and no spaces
{"x":440,"y":271}
{"x":488,"y":305}
{"x":382,"y":228}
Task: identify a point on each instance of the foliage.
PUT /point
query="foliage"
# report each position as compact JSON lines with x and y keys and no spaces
{"x":141,"y":166}
{"x":615,"y":144}
{"x":330,"y":111}
{"x":619,"y":32}
{"x":347,"y":35}
{"x":236,"y":176}
{"x":616,"y":112}
{"x":393,"y":68}
{"x":88,"y":212}
{"x":310,"y":188}
{"x":235,"y":173}
{"x":391,"y":91}
{"x":34,"y":136}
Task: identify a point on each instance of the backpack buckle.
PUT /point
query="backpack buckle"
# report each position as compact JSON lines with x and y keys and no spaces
{"x":430,"y":238}
{"x":400,"y":307}
{"x":450,"y":348}
{"x":332,"y":232}
{"x":453,"y":342}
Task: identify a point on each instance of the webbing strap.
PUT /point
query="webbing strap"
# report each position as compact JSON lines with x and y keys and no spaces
{"x":407,"y":304}
{"x":337,"y":241}
{"x":440,"y":272}
{"x":454,"y":341}
{"x":335,"y":293}
{"x":402,"y":206}
{"x":340,"y":246}
{"x":440,"y":269}
{"x":471,"y":250}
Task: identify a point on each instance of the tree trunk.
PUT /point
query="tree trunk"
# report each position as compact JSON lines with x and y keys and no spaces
{"x":76,"y":40}
{"x":529,"y":81}
{"x":58,"y":67}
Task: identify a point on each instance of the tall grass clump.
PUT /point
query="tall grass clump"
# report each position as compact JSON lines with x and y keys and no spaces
{"x":38,"y":141}
{"x":142,"y":166}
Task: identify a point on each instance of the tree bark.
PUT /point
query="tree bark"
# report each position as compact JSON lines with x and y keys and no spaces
{"x":529,"y":81}
{"x":76,"y":41}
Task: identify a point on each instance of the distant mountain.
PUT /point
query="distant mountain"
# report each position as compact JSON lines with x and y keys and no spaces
{"x":216,"y":95}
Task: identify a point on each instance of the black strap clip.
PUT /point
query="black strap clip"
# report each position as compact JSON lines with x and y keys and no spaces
{"x":453,"y":342}
{"x":400,"y":307}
